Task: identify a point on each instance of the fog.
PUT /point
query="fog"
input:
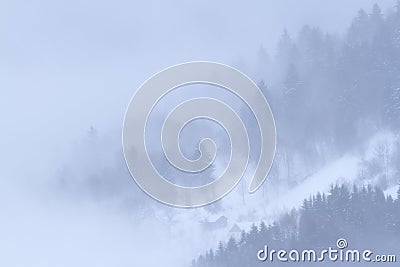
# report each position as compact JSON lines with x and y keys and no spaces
{"x":68,"y":66}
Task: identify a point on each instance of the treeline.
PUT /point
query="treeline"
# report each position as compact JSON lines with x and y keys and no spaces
{"x":364,"y":216}
{"x":330,"y":94}
{"x":336,"y":90}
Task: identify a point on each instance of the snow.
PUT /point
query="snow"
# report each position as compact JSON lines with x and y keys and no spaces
{"x":244,"y":209}
{"x":344,"y":169}
{"x":391,"y":191}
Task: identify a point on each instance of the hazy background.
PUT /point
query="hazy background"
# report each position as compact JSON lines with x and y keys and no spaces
{"x":68,"y":66}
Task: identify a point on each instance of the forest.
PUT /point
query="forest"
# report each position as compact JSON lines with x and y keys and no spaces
{"x":331,"y":93}
{"x":334,"y":89}
{"x":364,"y":216}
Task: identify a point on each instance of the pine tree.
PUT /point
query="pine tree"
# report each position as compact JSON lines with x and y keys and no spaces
{"x":286,"y":53}
{"x":253,"y":234}
{"x":231,"y":252}
{"x":243,"y":239}
{"x":376,"y":22}
{"x":359,"y":30}
{"x":263,"y":230}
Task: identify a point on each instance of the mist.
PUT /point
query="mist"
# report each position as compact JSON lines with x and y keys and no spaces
{"x":67,"y":72}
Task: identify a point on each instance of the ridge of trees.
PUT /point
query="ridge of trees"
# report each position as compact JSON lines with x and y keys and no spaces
{"x":364,"y":216}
